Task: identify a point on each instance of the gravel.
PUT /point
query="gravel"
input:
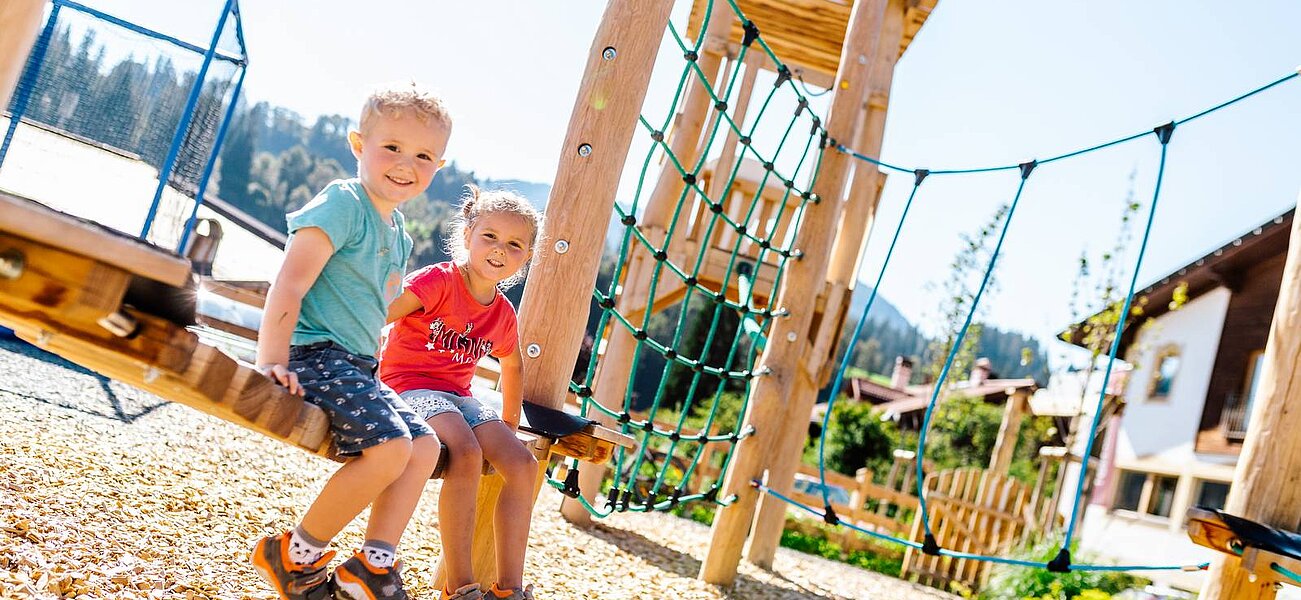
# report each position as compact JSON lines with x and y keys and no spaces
{"x":110,"y":492}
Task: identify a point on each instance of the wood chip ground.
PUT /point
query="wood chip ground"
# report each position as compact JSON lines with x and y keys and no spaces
{"x":109,"y":492}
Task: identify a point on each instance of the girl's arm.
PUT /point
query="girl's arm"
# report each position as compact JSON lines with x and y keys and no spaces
{"x":304,"y":259}
{"x":512,"y":388}
{"x":404,"y":305}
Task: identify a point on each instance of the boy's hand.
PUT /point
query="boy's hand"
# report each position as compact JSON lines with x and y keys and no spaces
{"x":283,"y":376}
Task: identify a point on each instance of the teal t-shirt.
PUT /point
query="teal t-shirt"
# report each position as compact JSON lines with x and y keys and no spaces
{"x":349,"y":301}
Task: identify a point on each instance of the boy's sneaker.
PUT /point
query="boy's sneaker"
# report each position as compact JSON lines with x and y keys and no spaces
{"x":524,"y":593}
{"x":292,"y":581}
{"x":355,"y":579}
{"x":469,"y":591}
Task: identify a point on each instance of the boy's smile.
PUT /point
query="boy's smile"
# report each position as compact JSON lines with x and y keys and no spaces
{"x":397,"y":157}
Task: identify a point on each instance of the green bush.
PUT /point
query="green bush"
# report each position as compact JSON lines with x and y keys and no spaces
{"x":1007,"y":582}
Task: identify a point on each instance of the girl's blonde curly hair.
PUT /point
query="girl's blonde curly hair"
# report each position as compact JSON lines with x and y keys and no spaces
{"x":476,"y":203}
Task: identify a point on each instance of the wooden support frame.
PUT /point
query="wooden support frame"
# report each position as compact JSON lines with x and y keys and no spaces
{"x":766,"y":411}
{"x":1265,"y":487}
{"x":21,"y":22}
{"x":860,"y":207}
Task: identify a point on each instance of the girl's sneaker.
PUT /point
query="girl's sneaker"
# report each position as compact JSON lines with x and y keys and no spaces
{"x":292,"y":581}
{"x":524,"y":593}
{"x":355,"y":579}
{"x":469,"y":591}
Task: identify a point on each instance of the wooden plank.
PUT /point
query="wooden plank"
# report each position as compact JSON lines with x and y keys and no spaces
{"x":34,"y":221}
{"x":252,"y":293}
{"x":53,"y":284}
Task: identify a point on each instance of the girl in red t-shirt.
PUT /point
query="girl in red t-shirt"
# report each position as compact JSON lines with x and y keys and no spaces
{"x":448,"y":317}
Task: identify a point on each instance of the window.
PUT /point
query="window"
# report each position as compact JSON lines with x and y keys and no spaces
{"x":1163,"y":495}
{"x":1148,"y":494}
{"x":1164,"y":370}
{"x":1129,"y":491}
{"x":1212,"y":494}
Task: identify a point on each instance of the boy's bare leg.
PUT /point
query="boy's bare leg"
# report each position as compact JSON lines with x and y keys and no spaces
{"x":456,"y":499}
{"x":354,"y":486}
{"x":394,"y":506}
{"x":519,"y":469}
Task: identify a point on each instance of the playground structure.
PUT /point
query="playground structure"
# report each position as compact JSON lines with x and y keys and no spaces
{"x":791,"y":311}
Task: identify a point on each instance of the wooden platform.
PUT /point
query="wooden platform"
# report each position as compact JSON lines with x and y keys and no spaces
{"x":807,"y":34}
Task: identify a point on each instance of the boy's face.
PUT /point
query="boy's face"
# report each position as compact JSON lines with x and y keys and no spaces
{"x":398,"y":156}
{"x":499,"y":244}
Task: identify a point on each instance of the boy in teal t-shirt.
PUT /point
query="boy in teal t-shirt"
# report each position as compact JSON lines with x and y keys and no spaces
{"x":319,"y":336}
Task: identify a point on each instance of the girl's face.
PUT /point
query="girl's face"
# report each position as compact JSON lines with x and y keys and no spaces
{"x":499,"y":245}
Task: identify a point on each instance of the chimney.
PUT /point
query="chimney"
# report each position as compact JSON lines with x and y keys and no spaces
{"x":903,"y":371}
{"x":980,"y":371}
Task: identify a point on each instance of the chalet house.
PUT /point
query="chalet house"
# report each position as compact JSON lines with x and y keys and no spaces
{"x":1194,"y":370}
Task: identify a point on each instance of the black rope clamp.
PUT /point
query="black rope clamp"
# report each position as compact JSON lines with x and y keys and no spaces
{"x":629,"y":220}
{"x":606,"y":303}
{"x":583,"y":391}
{"x":690,"y":55}
{"x":625,"y":417}
{"x":612,"y":500}
{"x":929,"y":546}
{"x":691,"y":281}
{"x":920,"y":176}
{"x":823,"y":139}
{"x":745,"y":140}
{"x":712,"y":494}
{"x":1062,"y":562}
{"x":783,"y":76}
{"x":801,"y":105}
{"x":751,"y":33}
{"x":571,"y":484}
{"x":624,"y":499}
{"x":689,"y":179}
{"x":658,"y":136}
{"x":639,"y":335}
{"x":1027,"y":168}
{"x":676,"y":497}
{"x":829,"y":516}
{"x":1164,"y":132}
{"x":670,"y":353}
{"x":720,"y":106}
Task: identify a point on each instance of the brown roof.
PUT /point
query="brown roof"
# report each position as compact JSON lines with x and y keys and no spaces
{"x":1220,"y":267}
{"x":993,"y":387}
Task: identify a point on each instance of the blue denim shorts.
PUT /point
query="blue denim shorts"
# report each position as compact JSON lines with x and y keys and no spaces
{"x":363,"y":412}
{"x":431,"y":403}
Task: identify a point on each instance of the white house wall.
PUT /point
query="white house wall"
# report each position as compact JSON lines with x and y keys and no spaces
{"x":1166,"y":430}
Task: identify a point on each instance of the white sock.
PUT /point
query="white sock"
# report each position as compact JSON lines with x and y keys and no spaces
{"x":380,"y":555}
{"x":305,"y":549}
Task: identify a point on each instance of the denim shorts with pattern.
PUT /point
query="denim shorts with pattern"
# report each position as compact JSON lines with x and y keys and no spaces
{"x":431,"y":403}
{"x":363,"y":412}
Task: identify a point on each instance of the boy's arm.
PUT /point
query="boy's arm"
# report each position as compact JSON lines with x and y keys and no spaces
{"x":304,"y":258}
{"x":404,"y":305}
{"x":512,"y":384}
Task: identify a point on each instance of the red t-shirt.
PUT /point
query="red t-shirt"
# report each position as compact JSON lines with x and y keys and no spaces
{"x":436,"y":348}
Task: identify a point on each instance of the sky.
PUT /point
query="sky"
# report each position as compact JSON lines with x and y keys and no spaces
{"x":985,"y":83}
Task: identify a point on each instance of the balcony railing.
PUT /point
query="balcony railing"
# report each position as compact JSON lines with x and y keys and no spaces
{"x":1233,"y":419}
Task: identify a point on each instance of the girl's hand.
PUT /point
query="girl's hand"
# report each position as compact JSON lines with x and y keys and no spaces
{"x":283,"y":376}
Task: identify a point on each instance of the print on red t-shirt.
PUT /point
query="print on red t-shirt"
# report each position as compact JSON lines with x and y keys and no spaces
{"x":437,"y":346}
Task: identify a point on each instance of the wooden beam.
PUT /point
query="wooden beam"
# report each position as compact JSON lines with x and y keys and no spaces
{"x":1000,"y":459}
{"x":34,"y":221}
{"x":790,"y":336}
{"x":1267,"y":484}
{"x":21,"y":21}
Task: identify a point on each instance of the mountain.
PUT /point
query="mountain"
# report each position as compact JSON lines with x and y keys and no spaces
{"x":537,"y":193}
{"x":882,"y":310}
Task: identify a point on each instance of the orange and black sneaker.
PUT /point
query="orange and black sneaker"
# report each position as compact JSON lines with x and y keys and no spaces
{"x":292,"y":581}
{"x":469,"y":591}
{"x":524,"y":593}
{"x":356,"y":579}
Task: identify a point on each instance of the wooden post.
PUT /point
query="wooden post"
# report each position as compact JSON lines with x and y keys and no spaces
{"x":1267,"y":484}
{"x":21,"y":21}
{"x":1013,"y":411}
{"x":552,"y":313}
{"x":864,"y":193}
{"x":789,"y":338}
{"x":611,"y":382}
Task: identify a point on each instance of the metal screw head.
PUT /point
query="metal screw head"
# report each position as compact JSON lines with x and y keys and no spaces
{"x":43,"y":338}
{"x":152,"y":374}
{"x":533,"y":350}
{"x":791,"y":337}
{"x":609,"y":53}
{"x":12,"y":264}
{"x":562,"y":246}
{"x":585,"y":150}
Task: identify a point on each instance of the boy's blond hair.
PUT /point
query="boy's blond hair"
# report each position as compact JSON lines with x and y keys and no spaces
{"x":393,"y":99}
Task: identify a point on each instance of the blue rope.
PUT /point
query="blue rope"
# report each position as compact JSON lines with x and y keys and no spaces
{"x":858,"y":329}
{"x":1286,"y":572}
{"x":1163,"y":135}
{"x":978,"y":557}
{"x":1026,"y":169}
{"x":1077,"y":152}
